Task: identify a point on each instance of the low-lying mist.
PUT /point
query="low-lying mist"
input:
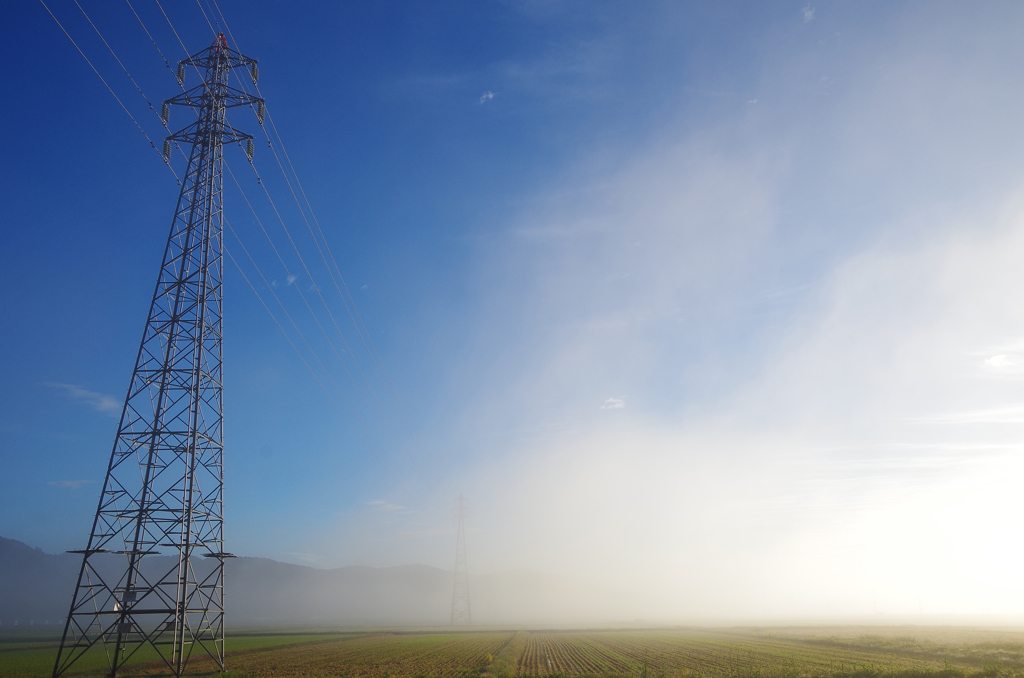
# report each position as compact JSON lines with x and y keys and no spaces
{"x":768,"y":368}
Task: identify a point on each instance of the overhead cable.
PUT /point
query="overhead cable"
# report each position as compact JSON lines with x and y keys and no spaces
{"x":105,"y":84}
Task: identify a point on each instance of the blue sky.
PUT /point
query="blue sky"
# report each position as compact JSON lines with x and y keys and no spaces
{"x":728,"y":289}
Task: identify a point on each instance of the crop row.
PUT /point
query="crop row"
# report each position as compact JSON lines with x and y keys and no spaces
{"x":680,"y":653}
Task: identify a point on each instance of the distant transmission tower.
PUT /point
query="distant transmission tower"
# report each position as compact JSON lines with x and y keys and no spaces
{"x":460,"y":594}
{"x":163,"y":493}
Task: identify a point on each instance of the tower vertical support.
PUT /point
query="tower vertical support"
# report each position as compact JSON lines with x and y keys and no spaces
{"x":461,"y":611}
{"x":152,"y":575}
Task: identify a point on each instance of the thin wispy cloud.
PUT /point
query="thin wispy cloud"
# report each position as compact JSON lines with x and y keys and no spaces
{"x":97,"y":401}
{"x":382,"y":505}
{"x":69,"y":484}
{"x":998,"y":415}
{"x":808,"y":13}
{"x":614,"y":404}
{"x":307,"y":557}
{"x":487,"y":96}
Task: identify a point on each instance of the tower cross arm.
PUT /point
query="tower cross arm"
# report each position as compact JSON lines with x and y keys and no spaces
{"x":199,"y":96}
{"x":195,"y":133}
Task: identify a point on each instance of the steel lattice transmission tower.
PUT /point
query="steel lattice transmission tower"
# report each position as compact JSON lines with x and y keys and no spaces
{"x":152,"y":574}
{"x":461,"y":613}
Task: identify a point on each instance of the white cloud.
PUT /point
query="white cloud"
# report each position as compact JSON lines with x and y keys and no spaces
{"x":291,"y":279}
{"x":487,"y":96}
{"x":1013,"y":414}
{"x":613,"y":404}
{"x":998,"y":361}
{"x":808,"y":13}
{"x":1004,"y":365}
{"x":98,"y":401}
{"x":70,"y":484}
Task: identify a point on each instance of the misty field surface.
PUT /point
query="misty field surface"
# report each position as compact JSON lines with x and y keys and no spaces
{"x":838,"y":652}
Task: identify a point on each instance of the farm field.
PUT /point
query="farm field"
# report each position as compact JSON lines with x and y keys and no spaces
{"x":32,"y":654}
{"x":750,"y":652}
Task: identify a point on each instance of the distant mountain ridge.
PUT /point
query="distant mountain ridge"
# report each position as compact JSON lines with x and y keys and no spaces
{"x":38,"y":588}
{"x":33,"y":583}
{"x":261,"y":592}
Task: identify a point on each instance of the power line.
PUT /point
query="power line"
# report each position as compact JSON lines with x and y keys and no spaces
{"x":334,"y":273}
{"x":308,"y":308}
{"x":142,"y":93}
{"x":214,"y":30}
{"x":349,"y":302}
{"x":336,"y":276}
{"x":137,"y":87}
{"x":389,"y":428}
{"x":292,"y":344}
{"x":320,"y":250}
{"x":105,"y":84}
{"x":334,"y":321}
{"x":397,"y":441}
{"x":166,"y":63}
{"x":331,"y":272}
{"x":119,"y":62}
{"x":149,"y":35}
{"x":172,"y":26}
{"x":146,"y":99}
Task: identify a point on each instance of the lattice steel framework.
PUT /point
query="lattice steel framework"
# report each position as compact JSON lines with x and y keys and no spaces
{"x":461,"y":612}
{"x":143,"y":581}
